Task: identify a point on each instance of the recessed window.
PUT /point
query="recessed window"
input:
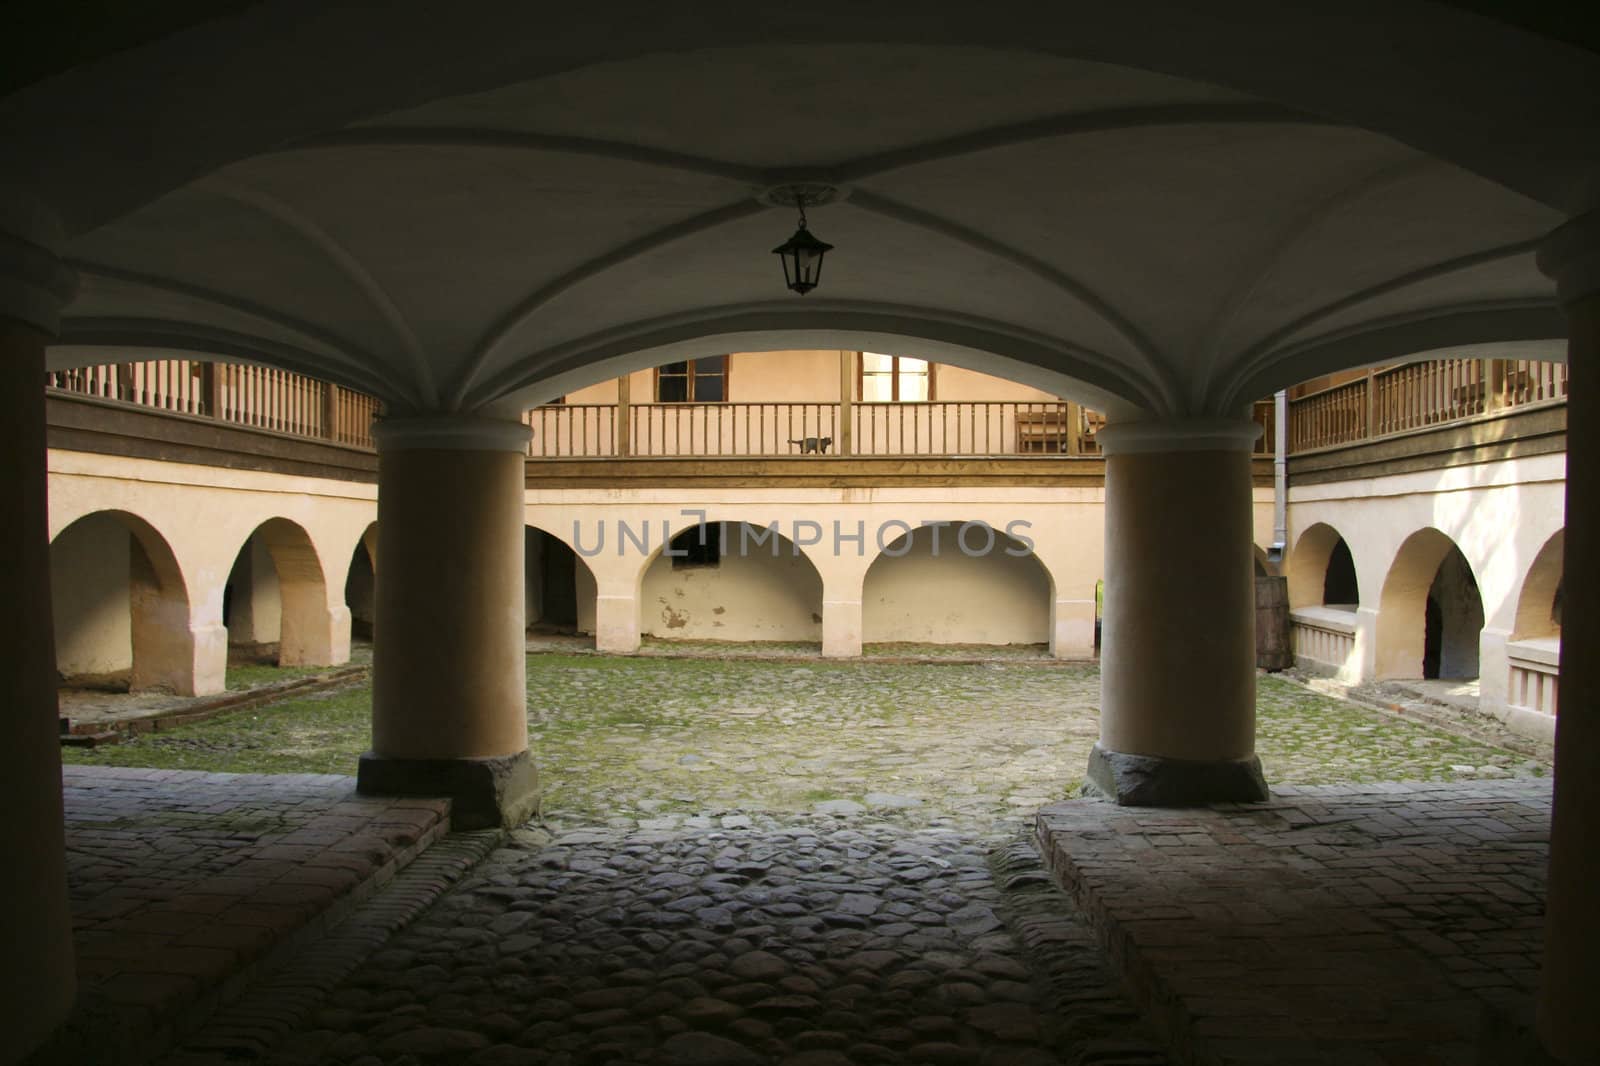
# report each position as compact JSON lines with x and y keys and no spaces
{"x":693,"y":381}
{"x":697,"y":546}
{"x":895,"y":379}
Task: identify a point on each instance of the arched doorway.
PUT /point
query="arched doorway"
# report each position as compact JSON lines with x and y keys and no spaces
{"x":121,"y":609}
{"x":731,"y":581}
{"x":560,"y":588}
{"x":1430,"y":614}
{"x":275,"y":604}
{"x":956,"y":583}
{"x":361,"y":586}
{"x":1322,"y":571}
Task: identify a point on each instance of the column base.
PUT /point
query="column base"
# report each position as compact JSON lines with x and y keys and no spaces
{"x":1157,"y":781}
{"x":484,"y":793}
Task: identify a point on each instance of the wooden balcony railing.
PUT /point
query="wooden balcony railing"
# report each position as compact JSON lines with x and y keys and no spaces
{"x":1419,"y":395}
{"x":962,"y":427}
{"x":255,"y":396}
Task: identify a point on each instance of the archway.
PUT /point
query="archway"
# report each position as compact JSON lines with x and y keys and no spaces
{"x":560,"y":587}
{"x":275,"y":604}
{"x":1322,"y":571}
{"x":1539,"y":603}
{"x":731,"y":581}
{"x":956,"y":583}
{"x":1431,"y":612}
{"x":121,"y":609}
{"x":360,"y":585}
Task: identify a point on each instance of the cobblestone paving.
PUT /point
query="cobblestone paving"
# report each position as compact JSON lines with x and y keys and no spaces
{"x":812,"y":940}
{"x":831,"y":824}
{"x":178,"y":880}
{"x":983,"y":743}
{"x":1337,"y":924}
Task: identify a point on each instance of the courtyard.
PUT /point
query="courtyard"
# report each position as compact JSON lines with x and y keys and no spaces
{"x":745,"y":858}
{"x":657,"y":741}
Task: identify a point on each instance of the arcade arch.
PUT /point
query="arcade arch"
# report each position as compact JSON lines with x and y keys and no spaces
{"x":1431,"y":612}
{"x":121,"y":606}
{"x":730,"y":580}
{"x":957,"y":582}
{"x":275,"y":603}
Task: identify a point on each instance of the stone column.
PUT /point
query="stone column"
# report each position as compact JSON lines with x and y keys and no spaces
{"x":1568,"y":1022}
{"x":37,"y":983}
{"x":1177,"y":665}
{"x":449,"y":685}
{"x":841,"y":627}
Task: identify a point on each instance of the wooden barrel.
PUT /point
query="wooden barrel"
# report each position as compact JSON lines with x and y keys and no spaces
{"x":1272,"y":623}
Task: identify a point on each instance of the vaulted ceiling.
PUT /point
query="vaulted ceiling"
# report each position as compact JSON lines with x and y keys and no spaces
{"x":486,"y":209}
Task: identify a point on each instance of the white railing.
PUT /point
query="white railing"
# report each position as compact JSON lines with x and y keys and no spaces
{"x":1533,"y":683}
{"x":1324,"y":638}
{"x":243,"y":395}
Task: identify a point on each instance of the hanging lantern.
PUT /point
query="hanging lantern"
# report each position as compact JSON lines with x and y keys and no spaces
{"x":802,"y":255}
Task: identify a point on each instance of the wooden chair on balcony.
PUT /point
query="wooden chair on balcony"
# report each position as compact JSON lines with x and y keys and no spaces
{"x":1044,"y":432}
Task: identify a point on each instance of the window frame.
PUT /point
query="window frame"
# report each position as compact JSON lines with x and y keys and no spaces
{"x":689,"y":378}
{"x":894,"y":378}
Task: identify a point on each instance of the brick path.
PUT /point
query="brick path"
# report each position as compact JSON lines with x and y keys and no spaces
{"x":1347,"y":924}
{"x":181,"y":881}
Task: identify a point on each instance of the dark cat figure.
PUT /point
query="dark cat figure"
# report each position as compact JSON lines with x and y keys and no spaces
{"x":812,"y":444}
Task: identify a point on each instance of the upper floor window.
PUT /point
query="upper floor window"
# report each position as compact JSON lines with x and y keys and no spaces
{"x":693,"y":381}
{"x":895,"y":379}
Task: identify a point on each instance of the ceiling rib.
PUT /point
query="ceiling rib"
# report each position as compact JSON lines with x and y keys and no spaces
{"x":341,"y":259}
{"x":352,"y":355}
{"x":1265,"y":350}
{"x":484,"y":348}
{"x":1292,"y":235}
{"x":1160,"y":382}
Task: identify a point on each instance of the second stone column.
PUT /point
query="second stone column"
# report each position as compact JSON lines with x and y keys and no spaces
{"x":449,"y":699}
{"x":1177,"y":666}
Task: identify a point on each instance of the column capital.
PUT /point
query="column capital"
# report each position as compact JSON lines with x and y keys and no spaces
{"x":437,"y":432}
{"x":1571,"y":256}
{"x":1179,"y":435}
{"x":34,"y":284}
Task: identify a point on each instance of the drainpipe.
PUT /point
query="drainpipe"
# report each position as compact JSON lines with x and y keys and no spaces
{"x":1280,"y":478}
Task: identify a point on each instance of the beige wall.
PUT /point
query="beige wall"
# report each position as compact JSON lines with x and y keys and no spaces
{"x":784,"y":377}
{"x":255,"y":613}
{"x":953,"y":597}
{"x":89,"y":590}
{"x":811,"y":376}
{"x":752,"y":594}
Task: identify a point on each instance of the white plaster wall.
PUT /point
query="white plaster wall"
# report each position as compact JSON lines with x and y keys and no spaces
{"x":751,"y":594}
{"x":89,"y":589}
{"x":948,"y":596}
{"x":1499,"y":514}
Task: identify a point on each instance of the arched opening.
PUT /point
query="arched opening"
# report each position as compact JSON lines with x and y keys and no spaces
{"x":121,"y":609}
{"x":361,"y":587}
{"x":275,"y":604}
{"x":956,"y":583}
{"x":1339,"y":586}
{"x":1431,"y":612}
{"x":1322,"y":571}
{"x":1539,"y":604}
{"x":731,"y":581}
{"x":560,"y":588}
